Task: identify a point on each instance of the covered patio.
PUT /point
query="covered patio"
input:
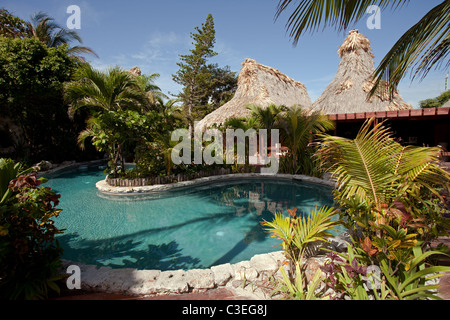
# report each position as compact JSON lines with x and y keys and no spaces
{"x":421,"y":127}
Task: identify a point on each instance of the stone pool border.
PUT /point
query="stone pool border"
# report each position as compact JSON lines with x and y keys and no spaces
{"x":104,"y":187}
{"x":249,"y":279}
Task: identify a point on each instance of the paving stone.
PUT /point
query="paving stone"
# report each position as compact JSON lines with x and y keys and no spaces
{"x":119,"y":280}
{"x":172,"y":281}
{"x":264,"y":263}
{"x":95,"y":278}
{"x":278,"y":256}
{"x":144,"y":282}
{"x":222,"y":273}
{"x":244,"y":271}
{"x":200,"y":278}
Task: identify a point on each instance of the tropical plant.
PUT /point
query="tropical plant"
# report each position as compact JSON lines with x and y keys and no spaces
{"x":241,"y":123}
{"x":421,"y":47}
{"x":147,"y":84}
{"x":409,"y":283}
{"x":345,"y":275}
{"x":300,"y":130}
{"x":169,"y":109}
{"x":348,"y":274}
{"x":299,"y":232}
{"x":298,"y":288}
{"x":9,"y":170}
{"x":267,"y":118}
{"x":298,"y":235}
{"x":166,"y":145}
{"x":110,"y":131}
{"x":374,"y":173}
{"x":112,"y":90}
{"x":29,"y":252}
{"x":386,"y":195}
{"x":46,"y":30}
{"x":118,"y":103}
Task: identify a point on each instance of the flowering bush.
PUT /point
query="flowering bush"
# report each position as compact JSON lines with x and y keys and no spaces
{"x":29,"y":253}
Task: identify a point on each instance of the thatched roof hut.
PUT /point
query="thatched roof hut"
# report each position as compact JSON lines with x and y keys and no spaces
{"x":258,"y":85}
{"x":135,"y":71}
{"x":348,"y":91}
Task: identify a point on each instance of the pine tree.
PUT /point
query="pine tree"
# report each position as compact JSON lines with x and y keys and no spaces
{"x":194,"y":74}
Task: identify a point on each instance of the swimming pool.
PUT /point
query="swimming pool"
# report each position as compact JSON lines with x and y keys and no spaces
{"x":193,"y":227}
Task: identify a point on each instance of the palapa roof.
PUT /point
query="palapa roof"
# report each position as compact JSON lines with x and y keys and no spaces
{"x":348,"y":91}
{"x":135,"y":71}
{"x":258,"y":85}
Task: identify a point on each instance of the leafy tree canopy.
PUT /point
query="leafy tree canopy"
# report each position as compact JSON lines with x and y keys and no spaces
{"x":11,"y":26}
{"x":31,"y":84}
{"x":437,"y":102}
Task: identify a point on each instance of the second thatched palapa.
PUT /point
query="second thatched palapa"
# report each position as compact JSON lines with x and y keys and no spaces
{"x":262,"y":86}
{"x":348,"y":92}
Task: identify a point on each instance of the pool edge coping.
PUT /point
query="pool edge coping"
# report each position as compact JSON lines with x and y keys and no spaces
{"x":240,"y":276}
{"x":103,"y":187}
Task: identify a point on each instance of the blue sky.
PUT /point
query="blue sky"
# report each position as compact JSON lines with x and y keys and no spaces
{"x":152,"y":34}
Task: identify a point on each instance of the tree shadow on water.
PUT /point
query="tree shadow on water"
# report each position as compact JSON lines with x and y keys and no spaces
{"x":117,"y":253}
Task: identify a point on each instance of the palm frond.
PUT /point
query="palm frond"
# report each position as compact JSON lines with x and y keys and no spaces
{"x":280,"y":228}
{"x":78,"y":50}
{"x":43,"y":27}
{"x":309,"y":15}
{"x":113,"y":90}
{"x":361,"y":166}
{"x":315,"y":226}
{"x":82,"y":136}
{"x":423,"y":46}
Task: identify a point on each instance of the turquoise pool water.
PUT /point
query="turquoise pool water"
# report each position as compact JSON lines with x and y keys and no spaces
{"x":195,"y":227}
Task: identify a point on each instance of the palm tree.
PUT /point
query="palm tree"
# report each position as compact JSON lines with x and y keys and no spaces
{"x":112,"y":90}
{"x":46,"y":30}
{"x":267,"y":118}
{"x":109,"y":94}
{"x":423,"y":46}
{"x":169,"y":109}
{"x":241,"y":123}
{"x":147,"y":84}
{"x":300,"y":129}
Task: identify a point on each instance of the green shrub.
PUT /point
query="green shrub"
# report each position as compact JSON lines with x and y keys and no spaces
{"x":29,"y":253}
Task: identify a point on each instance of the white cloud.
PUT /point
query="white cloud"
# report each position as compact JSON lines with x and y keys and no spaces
{"x":159,"y":39}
